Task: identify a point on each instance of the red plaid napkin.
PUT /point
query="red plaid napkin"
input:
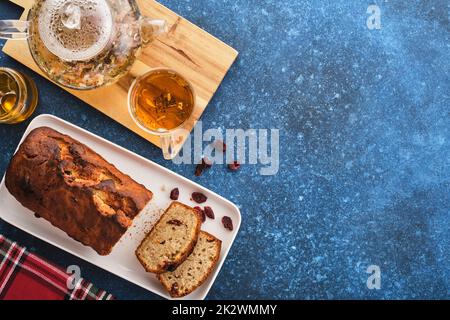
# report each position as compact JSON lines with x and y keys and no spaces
{"x":25,"y":276}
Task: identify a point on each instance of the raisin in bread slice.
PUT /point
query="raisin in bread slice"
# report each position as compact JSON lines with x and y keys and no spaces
{"x":171,"y":240}
{"x":195,"y":270}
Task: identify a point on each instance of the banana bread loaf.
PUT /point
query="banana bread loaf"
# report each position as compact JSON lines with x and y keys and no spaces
{"x":70,"y":185}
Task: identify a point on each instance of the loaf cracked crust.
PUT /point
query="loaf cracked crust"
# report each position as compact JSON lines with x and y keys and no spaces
{"x":171,"y":240}
{"x":193,"y":272}
{"x":74,"y":188}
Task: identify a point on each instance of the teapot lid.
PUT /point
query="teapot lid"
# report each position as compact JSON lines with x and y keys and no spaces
{"x":75,"y":30}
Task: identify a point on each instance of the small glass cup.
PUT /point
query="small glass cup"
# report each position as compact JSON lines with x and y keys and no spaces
{"x":18,"y":96}
{"x":167,"y":99}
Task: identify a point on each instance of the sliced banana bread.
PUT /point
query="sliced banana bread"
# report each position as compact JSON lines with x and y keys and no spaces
{"x":171,"y":240}
{"x":196,"y":269}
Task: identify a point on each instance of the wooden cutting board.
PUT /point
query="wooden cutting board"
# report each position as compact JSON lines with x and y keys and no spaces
{"x":197,"y":55}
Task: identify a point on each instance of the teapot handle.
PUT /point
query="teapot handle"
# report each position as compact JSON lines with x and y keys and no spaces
{"x":14,"y":29}
{"x":151,"y":28}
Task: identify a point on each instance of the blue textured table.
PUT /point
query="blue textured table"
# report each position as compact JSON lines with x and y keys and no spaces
{"x":365,"y":148}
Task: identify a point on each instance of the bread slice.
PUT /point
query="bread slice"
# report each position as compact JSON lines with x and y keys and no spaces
{"x":196,"y":269}
{"x":171,"y":240}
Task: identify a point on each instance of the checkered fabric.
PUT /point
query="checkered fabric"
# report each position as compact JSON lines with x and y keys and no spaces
{"x":25,"y":276}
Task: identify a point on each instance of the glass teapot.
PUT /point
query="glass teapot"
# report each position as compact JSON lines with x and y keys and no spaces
{"x":84,"y":44}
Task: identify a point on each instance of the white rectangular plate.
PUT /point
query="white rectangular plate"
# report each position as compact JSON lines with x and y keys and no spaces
{"x":122,"y":261}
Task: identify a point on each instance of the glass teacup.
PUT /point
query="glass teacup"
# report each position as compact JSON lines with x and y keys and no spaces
{"x":18,"y":96}
{"x":162,"y":103}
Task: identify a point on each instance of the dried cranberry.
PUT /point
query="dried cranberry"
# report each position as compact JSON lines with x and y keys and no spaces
{"x":227,"y":223}
{"x":202,"y":213}
{"x":199,"y":197}
{"x":198,"y":170}
{"x":174,"y":289}
{"x":203,"y":216}
{"x":234,"y":166}
{"x":220,"y":145}
{"x":205,"y":165}
{"x":209,"y":212}
{"x":175,"y":222}
{"x":175,"y":194}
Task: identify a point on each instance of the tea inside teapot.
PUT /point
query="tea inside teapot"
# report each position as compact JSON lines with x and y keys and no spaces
{"x":84,"y":44}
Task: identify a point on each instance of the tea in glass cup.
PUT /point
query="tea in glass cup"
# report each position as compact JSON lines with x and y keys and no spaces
{"x":18,"y":96}
{"x":160,"y":102}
